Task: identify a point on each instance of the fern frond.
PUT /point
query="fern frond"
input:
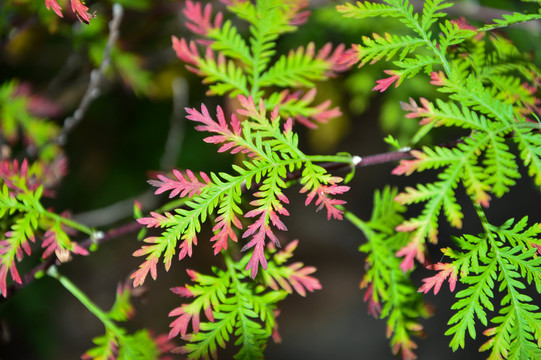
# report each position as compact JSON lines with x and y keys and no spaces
{"x":272,"y":153}
{"x":300,"y":107}
{"x":363,"y":10}
{"x":387,"y":46}
{"x":510,"y":19}
{"x":492,"y":260}
{"x":299,"y":68}
{"x":529,"y":144}
{"x":228,"y":41}
{"x":242,"y":66}
{"x":389,"y":291}
{"x":432,"y":12}
{"x":235,"y":305}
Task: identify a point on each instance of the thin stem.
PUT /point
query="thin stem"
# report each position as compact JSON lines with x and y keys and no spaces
{"x":482,"y":217}
{"x":93,"y":308}
{"x":356,"y":221}
{"x":347,"y":159}
{"x":72,"y":224}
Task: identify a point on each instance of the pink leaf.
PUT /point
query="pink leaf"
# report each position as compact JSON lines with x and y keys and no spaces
{"x":383,"y":84}
{"x":463,"y":24}
{"x":412,"y":250}
{"x":156,"y":220}
{"x":54,"y":5}
{"x":445,"y":271}
{"x":324,"y":201}
{"x":180,"y":186}
{"x":140,"y":275}
{"x":438,"y":78}
{"x":186,"y":247}
{"x":187,"y":53}
{"x":199,"y":19}
{"x":180,"y":325}
{"x":409,"y":166}
{"x":335,"y":59}
{"x":225,"y":231}
{"x":300,"y":279}
{"x":374,"y":307}
{"x":81,"y":11}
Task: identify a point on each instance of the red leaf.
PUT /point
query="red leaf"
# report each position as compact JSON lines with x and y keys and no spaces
{"x":324,"y":201}
{"x":445,"y":271}
{"x":180,"y":325}
{"x":187,"y":53}
{"x":412,"y":250}
{"x":181,"y":186}
{"x":54,"y":5}
{"x":383,"y":84}
{"x":199,"y":19}
{"x":140,"y":275}
{"x":438,"y":78}
{"x":300,"y":279}
{"x":81,"y":11}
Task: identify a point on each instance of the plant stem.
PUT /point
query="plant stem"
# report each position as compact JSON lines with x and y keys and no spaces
{"x":72,"y":224}
{"x":331,"y":158}
{"x":93,"y":308}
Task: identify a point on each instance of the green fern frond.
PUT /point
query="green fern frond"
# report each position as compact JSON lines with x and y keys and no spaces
{"x":235,"y":306}
{"x":272,"y":151}
{"x":363,"y":10}
{"x":387,"y":46}
{"x":298,"y":68}
{"x":491,"y":260}
{"x":242,"y":65}
{"x":229,"y":42}
{"x":511,"y":19}
{"x":432,"y":12}
{"x":389,"y":292}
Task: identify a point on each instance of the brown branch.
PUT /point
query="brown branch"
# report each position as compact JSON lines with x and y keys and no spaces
{"x":96,"y":77}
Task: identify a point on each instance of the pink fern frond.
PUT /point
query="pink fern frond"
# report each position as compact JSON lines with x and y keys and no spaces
{"x":259,"y":230}
{"x":413,"y":250}
{"x":200,"y":19}
{"x":301,"y":280}
{"x":156,"y":220}
{"x":324,"y":201}
{"x":189,"y":239}
{"x":52,"y":4}
{"x":407,"y":167}
{"x":448,"y":270}
{"x":79,"y":9}
{"x":335,"y":59}
{"x":182,"y":186}
{"x":225,"y":230}
{"x":140,"y":275}
{"x":438,"y":78}
{"x":250,"y":109}
{"x":383,"y":84}
{"x":188,"y":53}
{"x":185,"y":314}
{"x":374,"y":307}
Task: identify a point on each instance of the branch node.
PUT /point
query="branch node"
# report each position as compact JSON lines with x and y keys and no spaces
{"x":356,"y":160}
